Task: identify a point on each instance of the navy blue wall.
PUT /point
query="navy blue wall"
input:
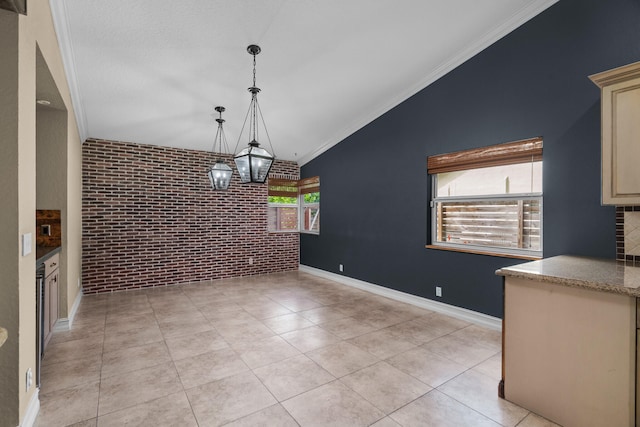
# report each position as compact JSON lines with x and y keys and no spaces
{"x":533,"y":82}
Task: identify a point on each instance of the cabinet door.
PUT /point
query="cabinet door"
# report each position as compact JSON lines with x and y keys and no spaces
{"x":620,"y":134}
{"x":621,"y":143}
{"x":53,"y":299}
{"x":46,"y":313}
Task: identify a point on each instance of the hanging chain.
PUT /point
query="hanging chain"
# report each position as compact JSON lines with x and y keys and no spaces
{"x":254,"y":101}
{"x":219,"y":133}
{"x":254,"y":70}
{"x":220,"y":138}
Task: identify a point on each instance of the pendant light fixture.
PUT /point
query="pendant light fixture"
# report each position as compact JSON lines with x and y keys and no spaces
{"x":254,"y":162}
{"x":220,"y":173}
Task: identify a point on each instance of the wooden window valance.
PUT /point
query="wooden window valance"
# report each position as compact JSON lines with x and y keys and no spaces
{"x":283,"y":187}
{"x":291,"y":188}
{"x":526,"y":150}
{"x":309,"y":185}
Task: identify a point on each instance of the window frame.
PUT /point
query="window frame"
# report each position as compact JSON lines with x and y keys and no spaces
{"x":285,"y":205}
{"x":484,"y":249}
{"x":516,"y":152}
{"x":285,"y":189}
{"x":302,"y":213}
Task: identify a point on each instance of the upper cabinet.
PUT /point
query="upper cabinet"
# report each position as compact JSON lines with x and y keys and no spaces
{"x":620,"y":89}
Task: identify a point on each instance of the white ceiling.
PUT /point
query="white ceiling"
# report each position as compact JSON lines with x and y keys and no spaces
{"x":152,"y":71}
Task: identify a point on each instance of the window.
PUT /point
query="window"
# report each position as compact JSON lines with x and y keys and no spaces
{"x":309,"y":190}
{"x":283,"y":205}
{"x":489,"y":200}
{"x":294,"y":205}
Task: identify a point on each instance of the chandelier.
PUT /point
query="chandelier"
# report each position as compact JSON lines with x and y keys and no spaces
{"x":220,"y":172}
{"x":253,"y":163}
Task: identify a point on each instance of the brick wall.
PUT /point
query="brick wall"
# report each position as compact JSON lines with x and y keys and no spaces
{"x":150,"y":218}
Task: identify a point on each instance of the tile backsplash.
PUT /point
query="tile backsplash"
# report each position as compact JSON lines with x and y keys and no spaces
{"x":628,"y":233}
{"x":51,"y":220}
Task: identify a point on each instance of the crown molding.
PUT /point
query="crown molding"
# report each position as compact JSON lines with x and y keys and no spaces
{"x":61,"y":26}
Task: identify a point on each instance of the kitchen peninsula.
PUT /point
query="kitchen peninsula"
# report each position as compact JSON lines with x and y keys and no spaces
{"x":569,"y":340}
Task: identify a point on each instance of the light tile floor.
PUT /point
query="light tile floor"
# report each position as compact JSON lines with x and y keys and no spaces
{"x":286,"y":349}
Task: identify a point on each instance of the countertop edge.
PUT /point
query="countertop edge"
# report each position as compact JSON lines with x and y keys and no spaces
{"x":523,"y":271}
{"x":572,"y":283}
{"x":47,"y":255}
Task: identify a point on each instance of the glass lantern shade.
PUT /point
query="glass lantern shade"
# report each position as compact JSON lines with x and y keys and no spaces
{"x":253,"y":163}
{"x":220,"y":175}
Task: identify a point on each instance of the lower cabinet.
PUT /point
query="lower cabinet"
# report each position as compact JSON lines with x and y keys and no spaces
{"x":570,"y":354}
{"x":50,"y":304}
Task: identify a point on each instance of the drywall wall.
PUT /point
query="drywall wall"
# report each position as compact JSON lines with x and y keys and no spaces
{"x":533,"y":82}
{"x":9,"y":261}
{"x":23,"y":36}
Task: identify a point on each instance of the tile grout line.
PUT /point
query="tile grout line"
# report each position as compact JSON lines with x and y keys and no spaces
{"x":300,"y":292}
{"x":104,"y":337}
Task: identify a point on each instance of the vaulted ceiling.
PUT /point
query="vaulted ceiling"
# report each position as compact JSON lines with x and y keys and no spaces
{"x":152,"y":71}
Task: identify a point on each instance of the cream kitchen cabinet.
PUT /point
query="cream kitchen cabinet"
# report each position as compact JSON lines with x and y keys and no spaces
{"x":569,"y":340}
{"x":50,"y":304}
{"x":620,"y":93}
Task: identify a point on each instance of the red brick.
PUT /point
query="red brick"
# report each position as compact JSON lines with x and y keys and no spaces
{"x":150,"y":218}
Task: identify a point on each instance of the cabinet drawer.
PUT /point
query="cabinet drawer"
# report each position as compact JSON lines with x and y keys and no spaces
{"x":51,"y":264}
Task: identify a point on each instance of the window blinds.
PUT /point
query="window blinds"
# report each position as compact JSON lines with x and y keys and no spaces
{"x":291,"y":188}
{"x":283,"y":187}
{"x":309,"y":185}
{"x":526,"y":150}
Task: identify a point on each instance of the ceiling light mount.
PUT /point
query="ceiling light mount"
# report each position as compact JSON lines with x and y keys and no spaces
{"x":253,"y":49}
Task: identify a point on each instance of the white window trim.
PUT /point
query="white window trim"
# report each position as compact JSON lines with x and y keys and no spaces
{"x":300,"y":207}
{"x":301,"y":215}
{"x":299,"y":204}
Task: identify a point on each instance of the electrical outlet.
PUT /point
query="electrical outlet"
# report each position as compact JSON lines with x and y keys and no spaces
{"x":250,"y":261}
{"x":438,"y":291}
{"x":341,"y":268}
{"x":29,"y":379}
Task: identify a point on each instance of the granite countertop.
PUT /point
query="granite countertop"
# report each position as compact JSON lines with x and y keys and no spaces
{"x":44,"y":252}
{"x":589,"y":273}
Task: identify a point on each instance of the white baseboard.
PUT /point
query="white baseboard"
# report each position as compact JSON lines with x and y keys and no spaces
{"x":74,"y":308}
{"x":450,"y":310}
{"x":64,"y":324}
{"x":32,"y":410}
